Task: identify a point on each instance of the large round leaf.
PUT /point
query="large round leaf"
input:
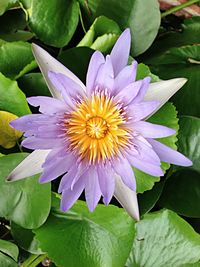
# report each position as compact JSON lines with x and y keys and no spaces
{"x":12,"y":98}
{"x":182,"y":62}
{"x":80,"y":238}
{"x":142,"y":17}
{"x":54,"y":22}
{"x":182,"y":190}
{"x":16,"y":59}
{"x":8,"y":254}
{"x":26,"y":202}
{"x":163,"y":239}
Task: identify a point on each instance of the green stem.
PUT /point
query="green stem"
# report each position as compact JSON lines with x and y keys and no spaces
{"x":33,"y":260}
{"x":81,"y":19}
{"x":179,"y":7}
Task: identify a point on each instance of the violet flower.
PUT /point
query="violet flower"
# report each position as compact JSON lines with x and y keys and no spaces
{"x":94,"y":134}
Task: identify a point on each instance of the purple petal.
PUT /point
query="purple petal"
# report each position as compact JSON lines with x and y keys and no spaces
{"x":32,"y":123}
{"x":145,"y":166}
{"x":150,"y":130}
{"x":47,"y":105}
{"x":67,"y":180}
{"x":23,"y":123}
{"x":120,"y":51}
{"x":68,"y":88}
{"x":127,"y":94}
{"x":143,"y":90}
{"x":92,"y":188}
{"x":169,"y":155}
{"x":125,"y":77}
{"x":73,"y":175}
{"x":142,"y":110}
{"x":55,"y":153}
{"x":47,"y":63}
{"x":49,"y":131}
{"x":105,"y":76}
{"x":146,"y":152}
{"x":59,"y":166}
{"x":96,"y":61}
{"x":41,"y":143}
{"x":123,"y":168}
{"x":69,"y":196}
{"x":106,"y":182}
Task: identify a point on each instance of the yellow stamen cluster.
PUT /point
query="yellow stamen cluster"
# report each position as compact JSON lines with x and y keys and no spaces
{"x":96,"y":129}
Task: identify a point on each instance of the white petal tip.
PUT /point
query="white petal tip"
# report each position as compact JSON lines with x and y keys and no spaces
{"x":162,"y":91}
{"x":127,"y":198}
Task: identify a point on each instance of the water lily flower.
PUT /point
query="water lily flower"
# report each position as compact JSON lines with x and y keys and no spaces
{"x":94,"y":134}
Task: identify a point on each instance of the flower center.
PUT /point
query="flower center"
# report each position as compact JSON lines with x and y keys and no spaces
{"x":97,"y":129}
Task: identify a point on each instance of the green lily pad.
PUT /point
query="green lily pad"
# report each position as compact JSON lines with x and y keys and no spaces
{"x":33,"y":84}
{"x":53,"y":22}
{"x":164,"y":239}
{"x":182,"y":190}
{"x":189,"y":34}
{"x":182,"y":62}
{"x":80,"y":238}
{"x":16,"y":104}
{"x":25,"y":239}
{"x":25,"y":202}
{"x":129,"y":14}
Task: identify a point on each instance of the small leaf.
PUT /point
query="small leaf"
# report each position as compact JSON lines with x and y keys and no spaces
{"x":144,"y":71}
{"x":13,"y":26}
{"x":9,"y":249}
{"x":80,"y":238}
{"x":8,"y":254}
{"x":16,"y":104}
{"x":6,"y":4}
{"x":8,"y":135}
{"x":25,"y":202}
{"x":102,"y":34}
{"x":164,"y":239}
{"x":16,"y":59}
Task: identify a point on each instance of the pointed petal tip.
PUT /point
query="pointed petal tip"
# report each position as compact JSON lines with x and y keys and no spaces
{"x":127,"y":33}
{"x":127,"y":198}
{"x":186,"y":162}
{"x":36,"y":49}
